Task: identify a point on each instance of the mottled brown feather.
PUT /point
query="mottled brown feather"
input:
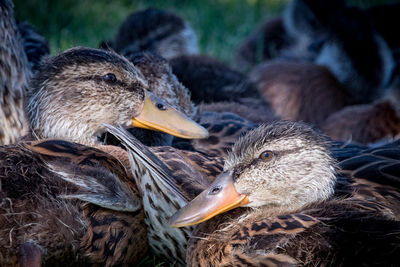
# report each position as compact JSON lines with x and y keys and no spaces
{"x":67,"y":230}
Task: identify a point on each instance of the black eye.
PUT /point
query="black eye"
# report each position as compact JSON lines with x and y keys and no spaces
{"x":215,"y":190}
{"x":161,"y":106}
{"x":109,"y":78}
{"x":266,"y":155}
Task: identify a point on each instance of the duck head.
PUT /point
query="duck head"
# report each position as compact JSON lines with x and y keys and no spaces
{"x":282,"y":166}
{"x":156,"y":31}
{"x":76,"y":92}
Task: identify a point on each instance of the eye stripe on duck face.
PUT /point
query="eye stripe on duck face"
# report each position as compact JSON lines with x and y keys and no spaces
{"x":273,"y":157}
{"x":112,"y":78}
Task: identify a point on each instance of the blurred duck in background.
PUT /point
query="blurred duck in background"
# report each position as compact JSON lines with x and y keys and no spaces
{"x":157,"y":31}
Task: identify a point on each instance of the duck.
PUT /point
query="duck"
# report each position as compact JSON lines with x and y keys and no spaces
{"x":346,"y":192}
{"x":300,"y":91}
{"x":70,"y":97}
{"x":14,"y":75}
{"x":67,"y":203}
{"x":154,"y":30}
{"x":297,"y":207}
{"x":350,"y":36}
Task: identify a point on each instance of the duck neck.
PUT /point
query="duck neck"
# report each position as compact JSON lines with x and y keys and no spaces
{"x":14,"y":77}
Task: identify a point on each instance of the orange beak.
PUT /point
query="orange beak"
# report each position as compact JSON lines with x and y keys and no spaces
{"x":160,"y":116}
{"x":221,"y":196}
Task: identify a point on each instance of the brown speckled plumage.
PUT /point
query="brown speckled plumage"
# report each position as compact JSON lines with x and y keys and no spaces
{"x":51,"y":191}
{"x":14,"y":77}
{"x":189,"y":173}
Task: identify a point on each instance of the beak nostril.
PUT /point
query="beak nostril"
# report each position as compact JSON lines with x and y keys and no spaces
{"x":215,"y":190}
{"x":160,"y":106}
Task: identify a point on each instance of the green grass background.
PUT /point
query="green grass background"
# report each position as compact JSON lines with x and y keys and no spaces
{"x":221,"y":25}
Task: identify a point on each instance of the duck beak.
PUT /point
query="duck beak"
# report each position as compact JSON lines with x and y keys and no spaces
{"x":160,"y":116}
{"x":221,"y":196}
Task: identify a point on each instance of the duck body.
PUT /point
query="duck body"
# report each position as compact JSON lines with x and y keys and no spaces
{"x":73,"y":204}
{"x":14,"y":77}
{"x":337,"y":233}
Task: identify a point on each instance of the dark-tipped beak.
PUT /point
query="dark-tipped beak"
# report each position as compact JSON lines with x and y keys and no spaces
{"x":160,"y":116}
{"x":221,"y":196}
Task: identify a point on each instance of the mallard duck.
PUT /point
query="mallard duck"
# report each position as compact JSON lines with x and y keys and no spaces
{"x":75,"y":92}
{"x":156,"y":31}
{"x":302,"y":211}
{"x":14,"y":77}
{"x":299,"y":91}
{"x":366,"y":123}
{"x":351,"y":35}
{"x":71,"y":96}
{"x":337,"y":196}
{"x":66,"y":203}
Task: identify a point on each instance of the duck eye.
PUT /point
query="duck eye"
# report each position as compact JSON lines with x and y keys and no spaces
{"x":161,"y":106}
{"x":109,"y":78}
{"x":266,"y":155}
{"x":215,"y":190}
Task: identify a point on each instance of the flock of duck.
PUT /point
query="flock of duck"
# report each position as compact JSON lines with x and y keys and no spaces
{"x":145,"y":147}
